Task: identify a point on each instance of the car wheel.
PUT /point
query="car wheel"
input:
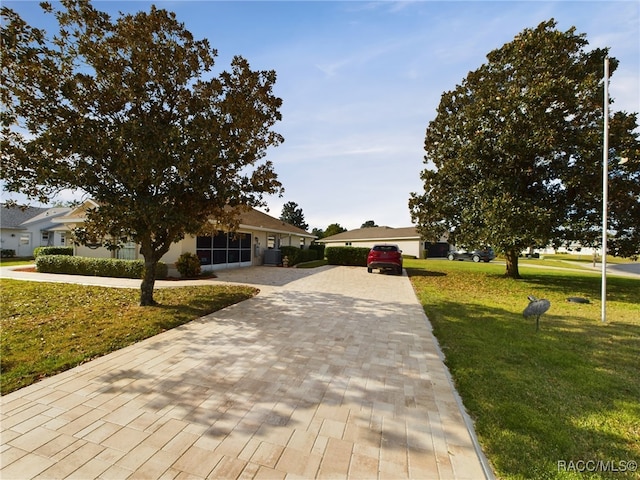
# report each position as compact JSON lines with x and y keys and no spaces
{"x":476,"y":258}
{"x":370,"y":270}
{"x":399,"y":271}
{"x":451,"y":257}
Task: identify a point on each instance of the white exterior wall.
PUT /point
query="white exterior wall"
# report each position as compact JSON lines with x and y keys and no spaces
{"x":187,"y":244}
{"x":84,"y":251}
{"x":260,"y":241}
{"x":21,"y":241}
{"x":289,"y":241}
{"x":56,"y":239}
{"x":59,"y":238}
{"x":24,"y":242}
{"x":410,"y":247}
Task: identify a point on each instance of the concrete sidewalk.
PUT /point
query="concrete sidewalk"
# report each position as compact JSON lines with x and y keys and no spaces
{"x":327,"y":373}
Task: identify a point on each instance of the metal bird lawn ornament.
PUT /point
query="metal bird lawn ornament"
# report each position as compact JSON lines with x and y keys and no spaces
{"x":536,"y":308}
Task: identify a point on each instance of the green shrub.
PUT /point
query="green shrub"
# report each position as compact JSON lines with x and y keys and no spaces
{"x":308,"y":256}
{"x":188,"y":265}
{"x":7,"y":253}
{"x":291,"y":253}
{"x":98,"y":267}
{"x":355,"y":256}
{"x":319,"y":249}
{"x":52,"y":251}
{"x":297,"y":255}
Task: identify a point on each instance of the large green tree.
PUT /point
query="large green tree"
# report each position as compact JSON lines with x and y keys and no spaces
{"x":129,"y":112}
{"x":292,"y":214}
{"x":514,"y":155}
{"x":334,"y":229}
{"x":318,"y":232}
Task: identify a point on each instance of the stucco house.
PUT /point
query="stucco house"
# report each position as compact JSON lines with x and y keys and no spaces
{"x":22,"y":229}
{"x":407,"y":238}
{"x":257,"y":242}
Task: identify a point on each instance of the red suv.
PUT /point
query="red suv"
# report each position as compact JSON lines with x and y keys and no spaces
{"x":385,"y":256}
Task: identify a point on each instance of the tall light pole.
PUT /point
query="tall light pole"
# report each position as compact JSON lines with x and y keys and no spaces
{"x":605,"y":188}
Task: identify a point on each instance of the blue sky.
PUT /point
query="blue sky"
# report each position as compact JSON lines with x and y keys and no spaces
{"x":361,"y":80}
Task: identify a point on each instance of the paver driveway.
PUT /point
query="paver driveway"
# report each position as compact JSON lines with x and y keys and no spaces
{"x":328,"y":373}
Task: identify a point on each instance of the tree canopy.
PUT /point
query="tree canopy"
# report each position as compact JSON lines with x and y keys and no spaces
{"x":334,"y":229}
{"x":130,"y":112}
{"x":292,"y":214}
{"x":514,"y":155}
{"x":369,"y":224}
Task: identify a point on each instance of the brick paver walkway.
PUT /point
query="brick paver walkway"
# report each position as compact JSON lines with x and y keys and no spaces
{"x":328,"y":373}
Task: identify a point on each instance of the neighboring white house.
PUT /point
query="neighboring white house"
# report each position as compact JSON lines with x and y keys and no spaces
{"x":257,"y":242}
{"x":407,"y":238}
{"x":410,"y":242}
{"x":574,"y":248}
{"x":22,"y":229}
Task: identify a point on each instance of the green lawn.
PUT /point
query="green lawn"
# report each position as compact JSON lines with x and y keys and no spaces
{"x":581,"y":258}
{"x":14,"y":261}
{"x":569,"y":393}
{"x":51,"y":327}
{"x":565,"y":260}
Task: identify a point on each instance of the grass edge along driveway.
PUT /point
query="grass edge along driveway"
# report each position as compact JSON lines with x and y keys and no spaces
{"x":47,"y":328}
{"x":561,"y":403}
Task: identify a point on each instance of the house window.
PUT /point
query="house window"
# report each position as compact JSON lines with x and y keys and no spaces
{"x":63,"y":239}
{"x":245,"y":247}
{"x":44,"y":238}
{"x":302,"y":242}
{"x":224,"y":248}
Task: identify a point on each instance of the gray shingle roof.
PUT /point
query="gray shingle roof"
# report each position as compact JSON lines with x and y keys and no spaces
{"x":14,"y":216}
{"x":46,"y":218}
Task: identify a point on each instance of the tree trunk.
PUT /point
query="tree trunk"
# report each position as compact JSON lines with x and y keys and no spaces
{"x":512,"y":264}
{"x":148,"y":282}
{"x":152,"y":253}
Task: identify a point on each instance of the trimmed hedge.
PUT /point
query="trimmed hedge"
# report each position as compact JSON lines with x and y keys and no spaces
{"x":354,"y":256}
{"x":297,"y":255}
{"x":52,"y":251}
{"x":97,"y":267}
{"x":319,"y":249}
{"x":7,"y":253}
